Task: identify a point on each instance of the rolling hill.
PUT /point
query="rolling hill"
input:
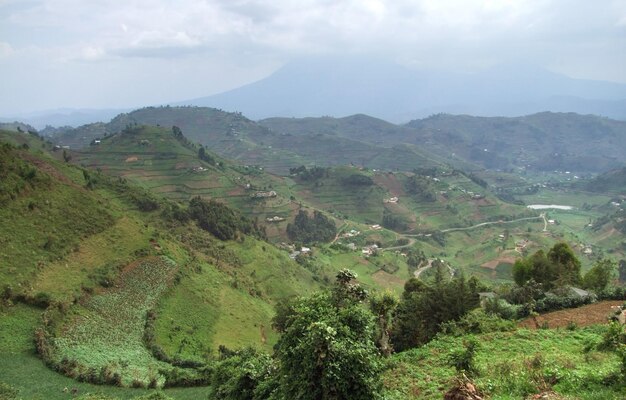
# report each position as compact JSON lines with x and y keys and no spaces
{"x":235,"y":137}
{"x":539,"y":142}
{"x":106,"y":254}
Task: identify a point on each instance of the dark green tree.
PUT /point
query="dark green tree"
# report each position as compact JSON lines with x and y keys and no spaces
{"x":326,"y":350}
{"x":622,"y":271}
{"x":383,"y":305}
{"x":306,"y":229}
{"x":566,"y":264}
{"x":424,"y":307}
{"x":558,"y":268}
{"x":600,"y":275}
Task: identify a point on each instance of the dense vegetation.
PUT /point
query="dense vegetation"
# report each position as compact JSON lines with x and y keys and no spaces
{"x":426,"y":306}
{"x":559,"y":267}
{"x":140,"y":291}
{"x":307,"y":229}
{"x":219,"y":219}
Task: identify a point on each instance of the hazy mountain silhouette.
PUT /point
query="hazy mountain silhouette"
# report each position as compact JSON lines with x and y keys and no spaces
{"x":345,"y":86}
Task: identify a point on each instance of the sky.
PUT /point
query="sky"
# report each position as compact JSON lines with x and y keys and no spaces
{"x":132,"y":53}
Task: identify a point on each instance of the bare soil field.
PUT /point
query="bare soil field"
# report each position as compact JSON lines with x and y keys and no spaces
{"x":591,"y":314}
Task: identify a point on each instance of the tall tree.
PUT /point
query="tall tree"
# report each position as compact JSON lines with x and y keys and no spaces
{"x":600,"y":275}
{"x":326,"y":350}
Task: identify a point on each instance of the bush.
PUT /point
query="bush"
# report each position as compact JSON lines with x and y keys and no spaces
{"x":463,"y":359}
{"x":504,"y":309}
{"x":8,"y":392}
{"x":219,"y":219}
{"x":476,"y":322}
{"x":240,"y":374}
{"x":614,"y":337}
{"x":553,"y":302}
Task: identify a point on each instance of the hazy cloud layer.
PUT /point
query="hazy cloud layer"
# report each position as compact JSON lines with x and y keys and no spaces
{"x":112,"y":53}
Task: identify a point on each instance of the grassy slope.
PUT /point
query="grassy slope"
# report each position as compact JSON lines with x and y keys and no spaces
{"x":512,"y":365}
{"x":46,"y":220}
{"x":241,"y":279}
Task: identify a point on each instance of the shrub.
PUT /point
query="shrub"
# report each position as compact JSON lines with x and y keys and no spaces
{"x":477,"y":321}
{"x":8,"y":392}
{"x":239,"y":375}
{"x":614,"y":337}
{"x":463,"y":359}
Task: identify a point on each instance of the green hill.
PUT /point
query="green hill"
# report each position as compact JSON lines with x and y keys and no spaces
{"x":541,"y":142}
{"x":235,"y":137}
{"x":538,"y":142}
{"x":613,"y":181}
{"x":102,"y":255}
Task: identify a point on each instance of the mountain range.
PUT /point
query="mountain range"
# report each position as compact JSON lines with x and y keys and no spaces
{"x":340,"y":87}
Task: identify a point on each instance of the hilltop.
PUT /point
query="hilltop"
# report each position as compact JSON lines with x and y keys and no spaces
{"x":235,"y":137}
{"x":537,"y":142}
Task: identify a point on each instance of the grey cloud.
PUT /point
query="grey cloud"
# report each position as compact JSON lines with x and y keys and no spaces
{"x":576,"y":37}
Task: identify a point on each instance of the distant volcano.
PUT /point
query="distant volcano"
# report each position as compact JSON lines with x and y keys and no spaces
{"x":345,"y":86}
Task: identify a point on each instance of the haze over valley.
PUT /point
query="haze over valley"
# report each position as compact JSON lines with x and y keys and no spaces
{"x":321,"y":200}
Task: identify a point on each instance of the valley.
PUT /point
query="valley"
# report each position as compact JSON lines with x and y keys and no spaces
{"x":155,"y":244}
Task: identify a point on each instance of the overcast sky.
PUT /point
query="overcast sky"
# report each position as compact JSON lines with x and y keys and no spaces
{"x":128,"y":53}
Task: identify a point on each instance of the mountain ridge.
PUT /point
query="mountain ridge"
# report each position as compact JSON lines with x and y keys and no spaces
{"x":318,"y":87}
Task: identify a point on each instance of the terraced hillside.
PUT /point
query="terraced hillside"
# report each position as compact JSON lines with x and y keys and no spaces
{"x":155,"y":159}
{"x":93,"y":251}
{"x":235,"y":137}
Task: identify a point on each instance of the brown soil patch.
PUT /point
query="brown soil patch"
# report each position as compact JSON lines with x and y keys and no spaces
{"x":391,"y":183}
{"x":483,"y":202}
{"x":263,"y":336}
{"x":131,"y":159}
{"x":591,"y":314}
{"x":48,"y":169}
{"x":236,"y":192}
{"x":386,"y":280}
{"x":493,"y":264}
{"x":607,"y":234}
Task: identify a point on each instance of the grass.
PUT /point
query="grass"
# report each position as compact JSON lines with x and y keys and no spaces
{"x":228,"y":299}
{"x":108,"y":250}
{"x":512,"y":365}
{"x":43,"y":224}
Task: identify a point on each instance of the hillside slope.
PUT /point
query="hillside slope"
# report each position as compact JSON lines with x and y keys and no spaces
{"x":91,"y":249}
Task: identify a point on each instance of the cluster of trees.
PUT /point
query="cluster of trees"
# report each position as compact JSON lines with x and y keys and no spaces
{"x":305,"y":229}
{"x":333,"y":343}
{"x":311,"y":174}
{"x":393,"y":222}
{"x":544,"y":282}
{"x":558,"y":268}
{"x":420,"y":188}
{"x":424,"y":307}
{"x":219,"y":219}
{"x":327,"y":350}
{"x":357,"y":180}
{"x":204,"y":156}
